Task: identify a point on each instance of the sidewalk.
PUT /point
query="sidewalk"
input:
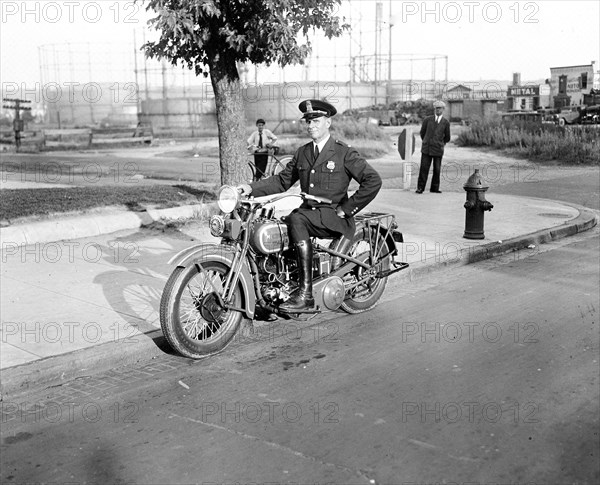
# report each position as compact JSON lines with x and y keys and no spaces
{"x":78,"y":306}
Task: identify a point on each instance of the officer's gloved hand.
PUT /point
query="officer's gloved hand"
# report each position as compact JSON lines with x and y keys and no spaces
{"x":340,"y":213}
{"x":244,"y":189}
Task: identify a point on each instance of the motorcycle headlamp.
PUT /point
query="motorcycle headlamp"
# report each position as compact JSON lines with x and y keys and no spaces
{"x":228,"y":198}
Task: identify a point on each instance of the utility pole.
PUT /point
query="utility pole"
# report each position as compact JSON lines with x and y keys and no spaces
{"x":389,"y":83}
{"x":18,"y":123}
{"x":137,"y":83}
{"x":351,"y":61}
{"x":378,"y":17}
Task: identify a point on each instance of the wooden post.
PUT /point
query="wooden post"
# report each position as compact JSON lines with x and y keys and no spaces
{"x":406,"y":147}
{"x":407,"y":172}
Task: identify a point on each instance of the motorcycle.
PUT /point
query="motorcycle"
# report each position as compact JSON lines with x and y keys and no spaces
{"x":214,"y":288}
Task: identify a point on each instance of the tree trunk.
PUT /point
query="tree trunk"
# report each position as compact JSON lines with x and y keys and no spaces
{"x":230,"y":121}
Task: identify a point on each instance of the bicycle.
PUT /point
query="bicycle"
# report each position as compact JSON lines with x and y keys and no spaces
{"x":274,"y":164}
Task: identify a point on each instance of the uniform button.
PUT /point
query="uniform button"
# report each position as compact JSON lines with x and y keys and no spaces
{"x":314,"y":208}
{"x":312,"y":171}
{"x":312,"y":185}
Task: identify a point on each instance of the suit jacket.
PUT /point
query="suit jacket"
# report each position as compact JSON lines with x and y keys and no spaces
{"x":434,"y":136}
{"x":329,"y":176}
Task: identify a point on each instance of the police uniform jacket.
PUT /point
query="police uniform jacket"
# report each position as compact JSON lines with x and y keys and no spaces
{"x":434,"y":136}
{"x":329,"y":176}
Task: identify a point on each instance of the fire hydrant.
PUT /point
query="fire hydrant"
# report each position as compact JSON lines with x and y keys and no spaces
{"x":476,"y":205}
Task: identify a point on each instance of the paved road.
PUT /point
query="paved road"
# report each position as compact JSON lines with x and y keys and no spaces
{"x":489,"y":374}
{"x":582,"y":188}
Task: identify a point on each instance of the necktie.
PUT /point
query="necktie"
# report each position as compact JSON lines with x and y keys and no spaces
{"x":316,"y":153}
{"x":260,"y":140}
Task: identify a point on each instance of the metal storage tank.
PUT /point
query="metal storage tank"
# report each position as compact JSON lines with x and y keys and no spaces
{"x":85,"y":84}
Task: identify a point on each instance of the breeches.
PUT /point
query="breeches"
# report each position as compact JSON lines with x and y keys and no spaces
{"x":304,"y":223}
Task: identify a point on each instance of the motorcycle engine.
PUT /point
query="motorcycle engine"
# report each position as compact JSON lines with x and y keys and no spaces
{"x":269,"y":265}
{"x":278,"y":268}
{"x":275,"y":280}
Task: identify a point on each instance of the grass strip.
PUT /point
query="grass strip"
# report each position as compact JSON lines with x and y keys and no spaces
{"x":42,"y":202}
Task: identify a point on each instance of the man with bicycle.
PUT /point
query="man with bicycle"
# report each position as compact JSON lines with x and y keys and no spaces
{"x":324,"y":168}
{"x":259,"y":142}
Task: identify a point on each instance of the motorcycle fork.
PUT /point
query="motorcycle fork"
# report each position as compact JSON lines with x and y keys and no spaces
{"x":236,"y":267}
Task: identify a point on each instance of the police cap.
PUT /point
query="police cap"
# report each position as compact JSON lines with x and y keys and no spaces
{"x":313,"y":108}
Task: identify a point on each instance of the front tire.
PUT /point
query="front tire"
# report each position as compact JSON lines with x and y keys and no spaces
{"x":191,"y":319}
{"x":366,"y":295}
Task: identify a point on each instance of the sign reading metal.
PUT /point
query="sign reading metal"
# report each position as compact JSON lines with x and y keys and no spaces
{"x":523,"y":90}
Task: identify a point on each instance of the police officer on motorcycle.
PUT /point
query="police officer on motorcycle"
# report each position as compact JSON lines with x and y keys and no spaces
{"x":324,"y":167}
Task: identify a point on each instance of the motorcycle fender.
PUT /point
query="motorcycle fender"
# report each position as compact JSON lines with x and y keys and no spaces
{"x":224,"y":254}
{"x":392,"y":238}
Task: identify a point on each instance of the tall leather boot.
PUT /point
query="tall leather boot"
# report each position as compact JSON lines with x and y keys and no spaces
{"x":303,"y":298}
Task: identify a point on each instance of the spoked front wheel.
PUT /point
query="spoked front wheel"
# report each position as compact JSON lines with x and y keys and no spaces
{"x":191,"y":317}
{"x":363,"y":288}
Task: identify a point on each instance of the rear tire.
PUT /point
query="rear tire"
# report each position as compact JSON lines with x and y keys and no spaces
{"x":367,"y":294}
{"x":190,"y":318}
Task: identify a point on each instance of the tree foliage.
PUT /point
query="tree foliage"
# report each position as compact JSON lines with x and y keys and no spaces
{"x":202,"y":32}
{"x":213,"y":36}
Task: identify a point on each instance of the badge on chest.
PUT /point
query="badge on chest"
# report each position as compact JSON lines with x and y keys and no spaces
{"x":330,"y":165}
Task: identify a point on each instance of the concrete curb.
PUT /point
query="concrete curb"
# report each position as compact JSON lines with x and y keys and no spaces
{"x":81,"y":226}
{"x":586,"y":220}
{"x":59,"y":369}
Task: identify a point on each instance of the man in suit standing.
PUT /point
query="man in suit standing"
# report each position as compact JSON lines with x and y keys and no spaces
{"x":435,"y":133}
{"x":324,"y":167}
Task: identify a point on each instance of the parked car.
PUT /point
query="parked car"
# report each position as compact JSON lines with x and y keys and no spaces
{"x":522,"y":116}
{"x":591,"y":115}
{"x":569,"y":115}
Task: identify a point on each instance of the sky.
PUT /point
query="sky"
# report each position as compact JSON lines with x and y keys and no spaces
{"x":481,"y":39}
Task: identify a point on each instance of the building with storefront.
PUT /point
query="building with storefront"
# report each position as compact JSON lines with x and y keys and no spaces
{"x":529,"y":96}
{"x":465,"y":103}
{"x":569,"y":84}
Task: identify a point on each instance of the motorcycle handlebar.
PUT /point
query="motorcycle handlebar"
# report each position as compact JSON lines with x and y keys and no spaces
{"x":324,"y":200}
{"x":303,"y":195}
